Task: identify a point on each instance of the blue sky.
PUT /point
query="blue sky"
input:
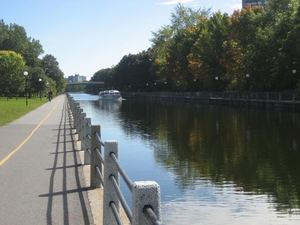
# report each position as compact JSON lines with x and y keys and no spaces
{"x":88,"y":35}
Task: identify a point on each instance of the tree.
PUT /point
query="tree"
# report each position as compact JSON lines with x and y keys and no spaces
{"x":197,"y":47}
{"x":207,"y":54}
{"x":3,"y":32}
{"x":172,"y":44}
{"x":134,"y":72}
{"x":14,"y":38}
{"x":11,"y":72}
{"x":52,"y":70}
{"x":39,"y":82}
{"x":33,"y":51}
{"x":285,"y":22}
{"x":183,"y":18}
{"x":103,"y":75}
{"x":249,"y":50}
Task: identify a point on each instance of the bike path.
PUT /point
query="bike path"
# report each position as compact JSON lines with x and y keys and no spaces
{"x":41,"y":174}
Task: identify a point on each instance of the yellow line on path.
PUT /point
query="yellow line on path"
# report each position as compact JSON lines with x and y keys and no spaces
{"x":18,"y":148}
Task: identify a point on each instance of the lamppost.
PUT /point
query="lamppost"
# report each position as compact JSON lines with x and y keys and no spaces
{"x":25,"y":74}
{"x":294,"y":72}
{"x":40,"y":81}
{"x":247,"y":81}
{"x":217,"y":84}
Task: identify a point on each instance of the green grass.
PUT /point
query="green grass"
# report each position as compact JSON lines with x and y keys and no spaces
{"x":13,"y":109}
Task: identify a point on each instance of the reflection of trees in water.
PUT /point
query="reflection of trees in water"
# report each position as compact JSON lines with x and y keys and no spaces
{"x":258,"y":150}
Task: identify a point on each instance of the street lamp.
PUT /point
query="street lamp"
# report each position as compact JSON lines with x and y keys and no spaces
{"x":295,"y":77}
{"x":40,"y":81}
{"x":247,"y":83}
{"x":25,"y":74}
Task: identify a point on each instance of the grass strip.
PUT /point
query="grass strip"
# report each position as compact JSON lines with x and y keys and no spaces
{"x":13,"y":109}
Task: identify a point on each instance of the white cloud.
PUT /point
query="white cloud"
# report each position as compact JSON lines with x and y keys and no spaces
{"x":174,"y":2}
{"x":236,"y":6}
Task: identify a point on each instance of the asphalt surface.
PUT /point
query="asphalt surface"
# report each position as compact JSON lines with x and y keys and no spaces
{"x":41,"y":175}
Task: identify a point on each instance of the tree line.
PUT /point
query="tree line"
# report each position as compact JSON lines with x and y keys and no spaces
{"x":254,"y":49}
{"x":22,"y":72}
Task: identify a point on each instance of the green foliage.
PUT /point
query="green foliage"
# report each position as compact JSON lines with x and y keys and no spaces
{"x":80,"y":88}
{"x":200,"y":46}
{"x":207,"y":53}
{"x":52,"y":70}
{"x":104,"y":75}
{"x":39,"y":82}
{"x":11,"y":72}
{"x":133,"y":73}
{"x":13,"y":38}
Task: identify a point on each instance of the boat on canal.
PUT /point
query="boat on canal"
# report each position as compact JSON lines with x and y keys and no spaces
{"x":111,"y":95}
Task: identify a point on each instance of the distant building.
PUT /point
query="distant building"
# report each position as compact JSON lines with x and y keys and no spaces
{"x":76,"y":79}
{"x":254,"y":2}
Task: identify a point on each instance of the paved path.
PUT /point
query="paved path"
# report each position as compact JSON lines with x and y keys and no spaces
{"x":41,"y":176}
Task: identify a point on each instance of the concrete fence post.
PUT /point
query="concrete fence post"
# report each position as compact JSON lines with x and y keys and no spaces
{"x":76,"y":107}
{"x":109,"y":193}
{"x":145,"y":193}
{"x":86,"y":141}
{"x":71,"y":101}
{"x":71,"y":107}
{"x":73,"y":104}
{"x":81,"y":133}
{"x":78,"y":115}
{"x":95,"y":161}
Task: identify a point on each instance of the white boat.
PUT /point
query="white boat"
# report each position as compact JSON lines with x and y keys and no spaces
{"x":110,"y":95}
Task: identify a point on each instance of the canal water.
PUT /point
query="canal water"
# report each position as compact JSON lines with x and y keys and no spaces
{"x":214,"y":165}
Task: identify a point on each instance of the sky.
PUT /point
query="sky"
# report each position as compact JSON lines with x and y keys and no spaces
{"x":88,"y":35}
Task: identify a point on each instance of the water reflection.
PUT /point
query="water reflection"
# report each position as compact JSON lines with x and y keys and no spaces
{"x":257,"y":150}
{"x":226,"y":164}
{"x":110,"y":106}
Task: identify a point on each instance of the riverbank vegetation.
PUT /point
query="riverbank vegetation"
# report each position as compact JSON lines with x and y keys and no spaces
{"x":254,"y":49}
{"x":22,"y":72}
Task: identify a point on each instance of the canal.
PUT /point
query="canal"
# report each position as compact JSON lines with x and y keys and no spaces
{"x":214,"y":165}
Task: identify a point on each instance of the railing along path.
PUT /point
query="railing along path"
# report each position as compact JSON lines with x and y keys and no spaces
{"x":105,"y":171}
{"x":283,"y":101}
{"x":266,"y":96}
